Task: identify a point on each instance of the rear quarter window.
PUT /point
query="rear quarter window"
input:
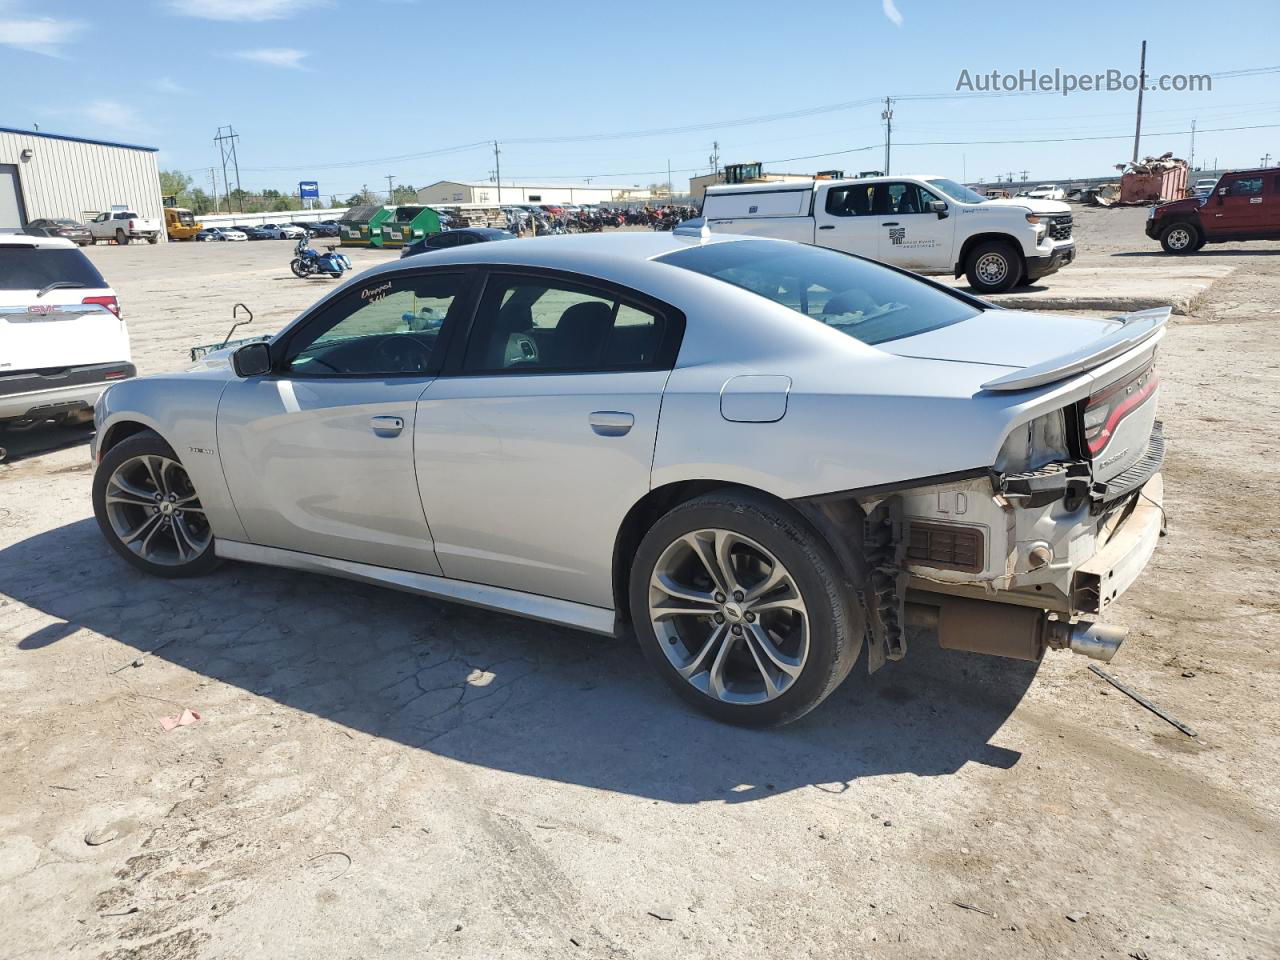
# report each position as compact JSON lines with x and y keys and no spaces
{"x":33,"y":268}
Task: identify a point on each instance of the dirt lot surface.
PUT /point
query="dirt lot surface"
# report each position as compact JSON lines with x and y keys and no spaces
{"x":376,"y":775}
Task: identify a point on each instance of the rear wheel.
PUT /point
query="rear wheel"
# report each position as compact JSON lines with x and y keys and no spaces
{"x":155,"y":238}
{"x":1180,"y":238}
{"x":149,"y":510}
{"x":122,"y":238}
{"x":993,"y":267}
{"x":738,"y":604}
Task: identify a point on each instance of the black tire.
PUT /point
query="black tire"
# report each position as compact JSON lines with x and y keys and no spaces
{"x":1180,"y":238}
{"x":993,"y":266}
{"x":143,"y":444}
{"x":834,"y":629}
{"x":122,"y":238}
{"x":296,"y":266}
{"x":153,"y":239}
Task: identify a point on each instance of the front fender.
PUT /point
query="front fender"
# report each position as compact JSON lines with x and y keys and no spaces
{"x":183,"y":410}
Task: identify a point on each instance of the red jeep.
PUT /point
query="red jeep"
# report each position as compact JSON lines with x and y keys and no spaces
{"x":1245,"y":205}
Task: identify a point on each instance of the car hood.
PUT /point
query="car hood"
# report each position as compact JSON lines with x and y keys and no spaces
{"x":1003,"y":338}
{"x":1185,"y":203}
{"x":1033,"y":204}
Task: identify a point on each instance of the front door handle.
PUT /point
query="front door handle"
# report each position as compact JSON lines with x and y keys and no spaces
{"x":387,"y":426}
{"x":889,"y":223}
{"x":611,"y":423}
{"x":827,"y":226}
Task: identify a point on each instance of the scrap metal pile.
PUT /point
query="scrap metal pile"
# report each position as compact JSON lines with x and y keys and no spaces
{"x":1151,"y":180}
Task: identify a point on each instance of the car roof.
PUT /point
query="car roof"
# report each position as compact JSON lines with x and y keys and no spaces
{"x":27,"y":240}
{"x":774,"y":186}
{"x":564,"y":251}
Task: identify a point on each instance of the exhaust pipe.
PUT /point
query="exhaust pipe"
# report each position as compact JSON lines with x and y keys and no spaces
{"x":1100,"y":641}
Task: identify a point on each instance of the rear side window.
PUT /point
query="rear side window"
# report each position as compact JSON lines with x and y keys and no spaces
{"x":125,"y":216}
{"x":531,"y":325}
{"x":34,"y":268}
{"x":1247,"y":187}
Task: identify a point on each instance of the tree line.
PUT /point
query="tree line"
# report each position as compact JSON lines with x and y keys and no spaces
{"x":175,"y":183}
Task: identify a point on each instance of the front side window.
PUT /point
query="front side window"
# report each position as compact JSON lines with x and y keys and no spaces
{"x":530,"y":325}
{"x":1247,"y":187}
{"x":864,"y":300}
{"x":386,"y":327}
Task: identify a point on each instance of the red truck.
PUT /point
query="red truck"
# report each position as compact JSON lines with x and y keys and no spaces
{"x":1245,"y":205}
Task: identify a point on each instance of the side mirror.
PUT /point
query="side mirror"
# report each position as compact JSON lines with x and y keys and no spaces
{"x":252,"y":360}
{"x":1222,"y":192}
{"x":939,"y":207}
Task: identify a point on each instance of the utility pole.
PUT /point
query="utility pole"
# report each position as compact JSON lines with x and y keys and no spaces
{"x":391,"y":200}
{"x":668,"y":178}
{"x":1191,"y":163}
{"x":1142,"y":84}
{"x":497,"y":170}
{"x":1024,"y":176}
{"x":227,"y":150}
{"x":1266,"y":159}
{"x":715,"y":157}
{"x":887,"y":116}
{"x":213,"y":181}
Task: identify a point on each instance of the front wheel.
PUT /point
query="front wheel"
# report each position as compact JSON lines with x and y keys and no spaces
{"x":149,"y":510}
{"x":298,"y":269}
{"x":1180,"y":238}
{"x":993,"y":267}
{"x":738,"y":604}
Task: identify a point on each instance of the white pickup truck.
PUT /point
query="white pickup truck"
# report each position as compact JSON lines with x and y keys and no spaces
{"x":123,"y":226}
{"x":926,"y":224}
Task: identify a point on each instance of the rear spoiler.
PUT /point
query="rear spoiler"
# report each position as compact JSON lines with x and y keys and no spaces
{"x":1135,"y":328}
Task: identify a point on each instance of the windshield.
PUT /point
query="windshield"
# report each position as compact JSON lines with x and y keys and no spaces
{"x":957,"y":191}
{"x":34,"y":268}
{"x":859,"y":298}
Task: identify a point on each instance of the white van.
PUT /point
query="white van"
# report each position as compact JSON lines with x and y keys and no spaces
{"x":62,"y":339}
{"x":926,"y":224}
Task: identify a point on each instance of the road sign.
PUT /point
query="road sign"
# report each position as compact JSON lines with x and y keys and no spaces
{"x":309,"y":190}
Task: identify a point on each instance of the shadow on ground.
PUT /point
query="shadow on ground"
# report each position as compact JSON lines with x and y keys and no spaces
{"x":31,"y":441}
{"x":1229,"y":252}
{"x":500,"y":692}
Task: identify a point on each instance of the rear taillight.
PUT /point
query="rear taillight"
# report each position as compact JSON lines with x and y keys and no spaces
{"x":1107,"y":408}
{"x":109,"y":302}
{"x":130,"y":225}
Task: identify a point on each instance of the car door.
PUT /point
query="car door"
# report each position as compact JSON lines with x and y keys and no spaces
{"x":911,"y":235}
{"x":318,"y":454}
{"x":1242,"y":210}
{"x":844,"y":219}
{"x":531,"y":454}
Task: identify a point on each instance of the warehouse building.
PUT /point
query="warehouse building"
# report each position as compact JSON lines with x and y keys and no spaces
{"x":445,"y":192}
{"x":54,"y":175}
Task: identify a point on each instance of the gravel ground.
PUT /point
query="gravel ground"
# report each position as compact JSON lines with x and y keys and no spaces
{"x":376,"y":775}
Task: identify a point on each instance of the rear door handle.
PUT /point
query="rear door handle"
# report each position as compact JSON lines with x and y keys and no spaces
{"x":387,"y":426}
{"x":827,"y":226}
{"x":611,"y":423}
{"x":889,"y":223}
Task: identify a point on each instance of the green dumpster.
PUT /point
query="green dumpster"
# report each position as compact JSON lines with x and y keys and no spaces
{"x":408,"y":224}
{"x":362,"y":226}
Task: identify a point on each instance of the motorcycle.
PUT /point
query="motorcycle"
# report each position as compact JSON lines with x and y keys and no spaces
{"x":308,"y":262}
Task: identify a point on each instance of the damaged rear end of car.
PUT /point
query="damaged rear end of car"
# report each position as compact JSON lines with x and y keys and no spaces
{"x":1025,"y":554}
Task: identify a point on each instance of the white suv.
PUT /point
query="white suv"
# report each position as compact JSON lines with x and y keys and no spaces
{"x":62,"y":339}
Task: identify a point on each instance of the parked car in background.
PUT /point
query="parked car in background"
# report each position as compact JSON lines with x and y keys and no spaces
{"x":1244,"y":205}
{"x":1204,"y":186}
{"x":455,"y":238}
{"x":1047,"y":191}
{"x":208,"y":235}
{"x":283,"y":231}
{"x":72,"y":230}
{"x":845,"y":451}
{"x":926,"y":224}
{"x":62,"y":339}
{"x":317,"y":229}
{"x":124,"y":226}
{"x":254,"y":232}
{"x":233,"y":234}
{"x":219,"y":234}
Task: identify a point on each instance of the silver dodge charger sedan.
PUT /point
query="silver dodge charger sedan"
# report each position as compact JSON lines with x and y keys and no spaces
{"x":755,"y":455}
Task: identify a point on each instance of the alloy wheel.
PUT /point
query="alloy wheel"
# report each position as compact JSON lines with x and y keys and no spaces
{"x":1179,"y":238}
{"x":729,"y":616}
{"x":155,"y":512}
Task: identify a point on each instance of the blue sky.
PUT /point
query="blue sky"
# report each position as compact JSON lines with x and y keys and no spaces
{"x":347,"y":91}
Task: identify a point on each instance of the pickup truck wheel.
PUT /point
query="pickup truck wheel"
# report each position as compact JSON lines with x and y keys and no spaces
{"x":993,"y":267}
{"x":122,"y":238}
{"x":149,"y":510}
{"x":738,"y":604}
{"x":153,"y":239}
{"x":1180,"y":238}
